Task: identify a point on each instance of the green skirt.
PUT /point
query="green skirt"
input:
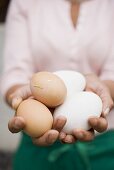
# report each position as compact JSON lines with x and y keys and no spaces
{"x":95,"y":155}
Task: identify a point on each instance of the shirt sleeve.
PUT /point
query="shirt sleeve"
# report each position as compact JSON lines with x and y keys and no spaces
{"x":107,"y":71}
{"x":18,"y":61}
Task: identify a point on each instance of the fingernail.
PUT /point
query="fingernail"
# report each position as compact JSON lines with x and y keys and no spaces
{"x":17,"y":124}
{"x":68,"y":141}
{"x":106,"y":112}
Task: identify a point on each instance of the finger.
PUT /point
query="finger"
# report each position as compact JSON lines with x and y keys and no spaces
{"x":21,"y":94}
{"x":99,"y":124}
{"x":104,"y":94}
{"x":107,"y":105}
{"x":24,"y":92}
{"x":59,"y":123}
{"x":16,"y":124}
{"x":47,"y":139}
{"x":83,"y":135}
{"x":62,"y":135}
{"x":16,"y":102}
{"x":69,"y":139}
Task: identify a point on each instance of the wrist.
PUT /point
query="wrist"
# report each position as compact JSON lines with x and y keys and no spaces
{"x":91,"y":77}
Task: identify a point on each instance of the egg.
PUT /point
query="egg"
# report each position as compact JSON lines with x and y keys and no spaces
{"x":38,"y":118}
{"x":48,"y":88}
{"x":73,"y":80}
{"x":78,"y":109}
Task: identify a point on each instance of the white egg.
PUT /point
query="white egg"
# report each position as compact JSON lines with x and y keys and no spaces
{"x":77,"y":109}
{"x":73,"y":80}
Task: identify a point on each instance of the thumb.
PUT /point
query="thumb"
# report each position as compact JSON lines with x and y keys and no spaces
{"x":19,"y":95}
{"x":16,"y":101}
{"x":107,"y":105}
{"x":106,"y":98}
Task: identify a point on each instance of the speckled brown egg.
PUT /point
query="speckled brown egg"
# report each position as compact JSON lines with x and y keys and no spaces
{"x":37,"y":117}
{"x":48,"y":89}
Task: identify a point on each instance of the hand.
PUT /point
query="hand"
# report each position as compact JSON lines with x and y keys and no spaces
{"x":17,"y":94}
{"x":17,"y":124}
{"x":99,"y":124}
{"x":95,"y":85}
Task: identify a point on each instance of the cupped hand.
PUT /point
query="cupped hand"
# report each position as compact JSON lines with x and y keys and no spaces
{"x":100,"y":124}
{"x":97,"y":86}
{"x":96,"y":123}
{"x":17,"y":124}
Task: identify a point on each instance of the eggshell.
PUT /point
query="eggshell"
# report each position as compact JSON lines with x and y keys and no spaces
{"x":37,"y":117}
{"x":73,"y":80}
{"x":78,"y":109}
{"x":48,"y":88}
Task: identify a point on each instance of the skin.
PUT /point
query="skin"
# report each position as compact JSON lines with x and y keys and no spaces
{"x":16,"y":124}
{"x":105,"y":89}
{"x":74,"y":13}
{"x":76,"y":1}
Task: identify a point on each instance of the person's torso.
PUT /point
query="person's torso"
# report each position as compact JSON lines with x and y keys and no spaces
{"x":57,"y":45}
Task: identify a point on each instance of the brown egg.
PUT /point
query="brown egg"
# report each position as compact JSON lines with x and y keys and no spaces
{"x":48,"y":88}
{"x":37,"y":117}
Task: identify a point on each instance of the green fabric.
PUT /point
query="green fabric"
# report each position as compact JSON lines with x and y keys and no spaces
{"x":95,"y":155}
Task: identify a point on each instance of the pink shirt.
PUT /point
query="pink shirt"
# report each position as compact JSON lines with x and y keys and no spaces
{"x":40,"y":36}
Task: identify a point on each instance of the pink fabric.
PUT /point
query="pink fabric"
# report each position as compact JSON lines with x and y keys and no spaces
{"x":40,"y":36}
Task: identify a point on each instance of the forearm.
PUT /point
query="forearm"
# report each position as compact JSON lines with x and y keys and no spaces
{"x":110,"y":85}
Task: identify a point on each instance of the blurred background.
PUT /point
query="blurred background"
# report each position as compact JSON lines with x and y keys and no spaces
{"x":8,"y":141}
